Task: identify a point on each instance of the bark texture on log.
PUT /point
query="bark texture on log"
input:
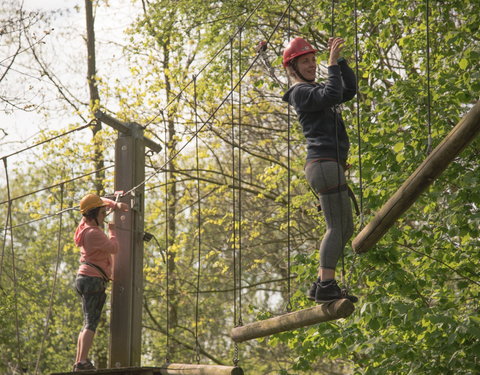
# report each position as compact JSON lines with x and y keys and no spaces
{"x":321,"y":313}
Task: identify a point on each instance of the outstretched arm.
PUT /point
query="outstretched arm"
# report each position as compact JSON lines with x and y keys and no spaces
{"x":349,"y":82}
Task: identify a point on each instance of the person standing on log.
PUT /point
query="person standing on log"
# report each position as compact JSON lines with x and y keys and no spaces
{"x":95,"y":271}
{"x":316,"y":105}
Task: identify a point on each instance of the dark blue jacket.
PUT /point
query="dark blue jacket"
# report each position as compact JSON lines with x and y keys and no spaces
{"x":315,"y":107}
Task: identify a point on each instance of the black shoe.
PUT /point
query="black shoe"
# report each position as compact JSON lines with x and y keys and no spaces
{"x":87,"y":366}
{"x":352,"y":298}
{"x":311,"y":292}
{"x":330,"y":291}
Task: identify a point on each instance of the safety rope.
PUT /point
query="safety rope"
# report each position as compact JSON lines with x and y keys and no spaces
{"x":54,"y":285}
{"x":357,"y":101}
{"x":240,"y":211}
{"x":199,"y":222}
{"x":167,"y":252}
{"x":237,"y":183}
{"x":289,"y":192}
{"x":336,"y":121}
{"x":359,"y":140}
{"x":234,"y":207}
{"x":429,"y":115}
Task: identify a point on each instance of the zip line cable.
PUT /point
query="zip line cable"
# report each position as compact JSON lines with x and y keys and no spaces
{"x":91,"y":123}
{"x":57,"y":184}
{"x":45,"y":217}
{"x":208,"y":63}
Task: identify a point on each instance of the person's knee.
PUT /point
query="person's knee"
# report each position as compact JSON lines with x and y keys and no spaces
{"x":93,"y":310}
{"x":91,"y":323}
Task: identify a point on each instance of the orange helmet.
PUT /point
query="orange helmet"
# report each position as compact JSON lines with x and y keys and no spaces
{"x":89,"y":202}
{"x":296,"y":47}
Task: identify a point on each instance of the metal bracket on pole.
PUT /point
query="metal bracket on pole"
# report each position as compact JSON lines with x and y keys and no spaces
{"x":126,"y":128}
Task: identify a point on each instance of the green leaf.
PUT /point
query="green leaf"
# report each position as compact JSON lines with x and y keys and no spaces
{"x":463,"y":63}
{"x":398,"y":146}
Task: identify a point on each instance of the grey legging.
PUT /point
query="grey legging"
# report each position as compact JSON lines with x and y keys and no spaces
{"x":323,"y":177}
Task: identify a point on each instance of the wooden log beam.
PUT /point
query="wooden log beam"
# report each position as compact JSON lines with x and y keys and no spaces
{"x":438,"y":160}
{"x":170,"y":369}
{"x":185,"y":369}
{"x":321,"y":313}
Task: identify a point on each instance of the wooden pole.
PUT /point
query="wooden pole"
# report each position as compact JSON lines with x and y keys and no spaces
{"x":438,"y":160}
{"x":321,"y":313}
{"x":127,"y":288}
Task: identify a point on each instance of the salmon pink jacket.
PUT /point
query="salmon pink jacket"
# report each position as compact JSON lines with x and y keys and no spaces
{"x":96,"y":247}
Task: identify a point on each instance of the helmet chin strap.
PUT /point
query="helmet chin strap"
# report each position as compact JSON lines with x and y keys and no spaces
{"x":293,"y":64}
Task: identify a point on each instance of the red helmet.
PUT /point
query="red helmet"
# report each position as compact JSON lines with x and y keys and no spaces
{"x":296,"y":47}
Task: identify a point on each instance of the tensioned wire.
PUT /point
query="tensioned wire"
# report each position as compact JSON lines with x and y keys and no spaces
{"x":56,"y":185}
{"x":14,"y":275}
{"x":91,"y":123}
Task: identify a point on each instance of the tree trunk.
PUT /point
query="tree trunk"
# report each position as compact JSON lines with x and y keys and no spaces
{"x":171,"y":206}
{"x":97,"y":352}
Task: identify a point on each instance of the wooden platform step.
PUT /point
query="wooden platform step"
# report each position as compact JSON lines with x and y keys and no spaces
{"x":170,"y":369}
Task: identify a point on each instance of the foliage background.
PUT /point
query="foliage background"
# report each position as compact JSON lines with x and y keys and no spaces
{"x":418,"y":288}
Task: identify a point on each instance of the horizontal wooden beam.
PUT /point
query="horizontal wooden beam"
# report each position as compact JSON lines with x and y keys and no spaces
{"x":170,"y":369}
{"x":186,"y":369}
{"x":126,"y":128}
{"x":435,"y":163}
{"x":321,"y":313}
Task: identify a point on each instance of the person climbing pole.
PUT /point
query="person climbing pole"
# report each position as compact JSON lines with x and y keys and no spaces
{"x":316,"y":105}
{"x":95,"y":271}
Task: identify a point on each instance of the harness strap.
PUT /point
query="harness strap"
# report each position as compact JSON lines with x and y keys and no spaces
{"x":105,"y":277}
{"x":337,"y":189}
{"x":321,"y":160}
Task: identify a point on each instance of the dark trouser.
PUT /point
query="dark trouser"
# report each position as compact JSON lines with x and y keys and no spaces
{"x":323,"y":177}
{"x":92,"y":291}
